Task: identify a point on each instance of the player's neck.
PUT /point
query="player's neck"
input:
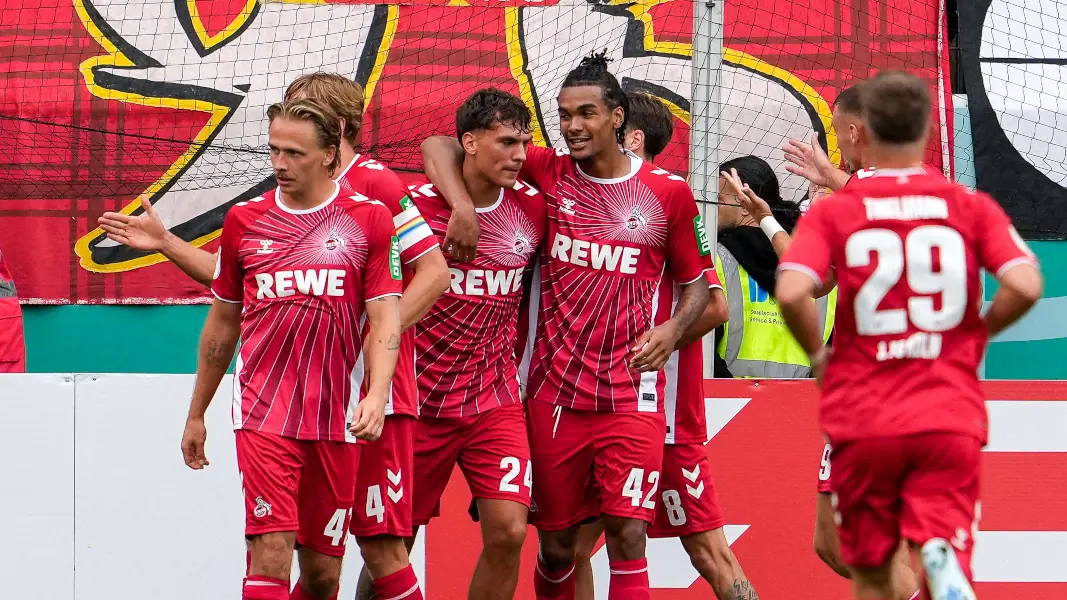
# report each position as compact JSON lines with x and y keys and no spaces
{"x":348,"y":153}
{"x":895,"y":156}
{"x":313,"y":196}
{"x":483,"y":192}
{"x":609,"y":164}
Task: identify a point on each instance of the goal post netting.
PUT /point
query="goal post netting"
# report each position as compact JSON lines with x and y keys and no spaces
{"x":105,"y":100}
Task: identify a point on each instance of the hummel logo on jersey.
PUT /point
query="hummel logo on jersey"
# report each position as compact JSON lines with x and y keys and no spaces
{"x":262,"y":507}
{"x":265,"y":247}
{"x":309,"y":282}
{"x":566,"y":206}
{"x":603,"y":257}
{"x":483,"y":282}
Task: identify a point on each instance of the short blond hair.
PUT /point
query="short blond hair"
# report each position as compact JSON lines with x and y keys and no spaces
{"x":344,"y":96}
{"x":327,"y":123}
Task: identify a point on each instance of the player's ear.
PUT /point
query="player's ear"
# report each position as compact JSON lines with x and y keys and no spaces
{"x":635,"y":140}
{"x":328,"y":156}
{"x":618,"y":115}
{"x":344,"y":124}
{"x":469,"y":143}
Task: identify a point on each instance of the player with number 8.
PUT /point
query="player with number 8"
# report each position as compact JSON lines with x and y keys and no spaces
{"x":901,"y":403}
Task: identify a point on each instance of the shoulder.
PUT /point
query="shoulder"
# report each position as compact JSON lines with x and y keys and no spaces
{"x":426,"y":197}
{"x":248,"y":211}
{"x":370,"y":178}
{"x":528,"y":197}
{"x":368,"y":212}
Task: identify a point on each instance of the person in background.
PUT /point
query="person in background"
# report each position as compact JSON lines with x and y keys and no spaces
{"x":755,"y":341}
{"x":12,"y":340}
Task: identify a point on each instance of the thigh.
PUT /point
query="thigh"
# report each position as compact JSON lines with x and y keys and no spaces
{"x":326,"y":493}
{"x":629,"y":454}
{"x":866,"y":498}
{"x":561,"y":449}
{"x":437,"y":447}
{"x":383,"y":484}
{"x":940,"y":494}
{"x":688,"y":502}
{"x":496,"y":456}
{"x":271,"y":470}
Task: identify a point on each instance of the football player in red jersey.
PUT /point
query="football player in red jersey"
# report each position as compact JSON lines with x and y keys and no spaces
{"x":811,"y":162}
{"x":381,"y":516}
{"x":688,"y":505}
{"x":596,"y":388}
{"x":299,"y":268}
{"x":901,"y":402}
{"x":470,"y":409}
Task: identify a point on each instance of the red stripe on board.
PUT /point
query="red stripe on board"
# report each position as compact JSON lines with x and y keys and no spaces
{"x":1019,"y":591}
{"x":1024,"y":491}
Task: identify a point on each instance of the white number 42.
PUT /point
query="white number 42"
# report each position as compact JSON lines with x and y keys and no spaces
{"x":635,"y":483}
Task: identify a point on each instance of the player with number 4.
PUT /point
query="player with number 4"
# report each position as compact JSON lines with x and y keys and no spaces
{"x":901,"y":402}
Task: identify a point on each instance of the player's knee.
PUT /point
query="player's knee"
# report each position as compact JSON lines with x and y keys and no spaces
{"x":625,"y":538}
{"x":321,"y":583}
{"x":383,"y":556}
{"x":505,"y":539}
{"x":827,"y":551}
{"x":271,"y":555}
{"x":557,"y":549}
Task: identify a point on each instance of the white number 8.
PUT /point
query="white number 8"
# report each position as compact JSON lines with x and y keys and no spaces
{"x":915,"y":254}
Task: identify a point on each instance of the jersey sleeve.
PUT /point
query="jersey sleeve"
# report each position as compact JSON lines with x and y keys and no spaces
{"x":228,"y":282}
{"x":412,"y":231}
{"x":688,"y":248}
{"x":999,"y":246}
{"x":533,"y":204}
{"x":541,"y":165}
{"x":381,"y":274}
{"x":713,"y":279}
{"x":809,"y":251}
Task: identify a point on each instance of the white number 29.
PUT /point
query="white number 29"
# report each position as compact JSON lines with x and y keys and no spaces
{"x":913,"y":256}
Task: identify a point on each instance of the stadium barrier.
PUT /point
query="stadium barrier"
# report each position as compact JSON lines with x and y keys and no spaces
{"x":94,"y":478}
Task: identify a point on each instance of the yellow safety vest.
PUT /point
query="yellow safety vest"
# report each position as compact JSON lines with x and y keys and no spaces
{"x":757,"y":342}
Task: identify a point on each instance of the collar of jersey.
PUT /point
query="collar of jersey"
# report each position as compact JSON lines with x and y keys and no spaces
{"x":492,"y":206}
{"x":635,"y":166}
{"x":897,"y":172}
{"x":306,"y":211}
{"x":344,"y":171}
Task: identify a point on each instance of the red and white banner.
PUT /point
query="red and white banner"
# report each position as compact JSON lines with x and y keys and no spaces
{"x":765,"y":452}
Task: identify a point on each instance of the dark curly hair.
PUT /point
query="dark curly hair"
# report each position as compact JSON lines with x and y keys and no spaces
{"x":490,"y":106}
{"x":593,"y":70}
{"x":759,"y":176}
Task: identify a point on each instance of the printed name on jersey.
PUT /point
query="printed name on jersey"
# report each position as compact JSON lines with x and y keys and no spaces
{"x":307,"y":282}
{"x":906,"y":208}
{"x":602,"y":257}
{"x":917,"y":345}
{"x":485,"y":282}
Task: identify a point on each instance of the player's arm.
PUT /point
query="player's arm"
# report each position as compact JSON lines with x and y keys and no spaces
{"x":146,"y":232}
{"x":1004,"y":253}
{"x":716,"y":313}
{"x":430,"y":281}
{"x":442,"y":159}
{"x":218,"y":341}
{"x":810,"y":162}
{"x":801,"y":274}
{"x":381,"y":350}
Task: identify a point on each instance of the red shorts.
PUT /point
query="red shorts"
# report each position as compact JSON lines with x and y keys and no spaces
{"x":687,"y":502}
{"x":915,"y":487}
{"x":589,"y":463}
{"x":824,"y":471}
{"x":298,"y":485}
{"x":491,"y":449}
{"x":383,"y":485}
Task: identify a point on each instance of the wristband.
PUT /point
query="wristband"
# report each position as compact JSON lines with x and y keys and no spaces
{"x":770,"y":226}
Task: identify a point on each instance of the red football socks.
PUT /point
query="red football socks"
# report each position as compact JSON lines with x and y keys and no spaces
{"x":258,"y":587}
{"x":400,"y":585}
{"x":553,"y":585}
{"x":629,"y":580}
{"x":299,"y":593}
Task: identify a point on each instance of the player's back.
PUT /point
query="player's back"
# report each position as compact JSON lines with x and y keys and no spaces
{"x":907,"y":246}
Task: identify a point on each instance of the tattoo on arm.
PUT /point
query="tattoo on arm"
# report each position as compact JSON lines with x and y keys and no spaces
{"x":216,"y":355}
{"x":393,"y":343}
{"x":690,"y":306}
{"x":743,"y":590}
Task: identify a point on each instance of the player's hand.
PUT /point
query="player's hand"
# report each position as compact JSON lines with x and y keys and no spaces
{"x":144,"y":232}
{"x":819,"y":360}
{"x":809,"y":161}
{"x":654,"y":347}
{"x":193,"y":441}
{"x":753,"y":204}
{"x":461,"y":237}
{"x":370,"y":417}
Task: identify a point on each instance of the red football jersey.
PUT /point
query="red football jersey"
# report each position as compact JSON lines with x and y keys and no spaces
{"x":303,"y":277}
{"x":12,"y":341}
{"x":465,"y":360}
{"x":365,"y":178}
{"x":609,"y":244}
{"x":865,"y":173}
{"x":684,"y":390}
{"x":906,"y":246}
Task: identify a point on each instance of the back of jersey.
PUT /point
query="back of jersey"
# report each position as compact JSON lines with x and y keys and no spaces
{"x":906,"y":246}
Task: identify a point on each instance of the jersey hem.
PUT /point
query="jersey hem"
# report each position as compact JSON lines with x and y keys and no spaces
{"x":1014,"y":263}
{"x":226,"y":300}
{"x":329,"y":438}
{"x":791,"y":266}
{"x":423,"y":253}
{"x":380,"y":296}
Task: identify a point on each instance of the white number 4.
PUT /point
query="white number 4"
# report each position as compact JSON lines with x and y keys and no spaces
{"x":335,"y":529}
{"x":635,"y":482}
{"x":375,"y":506}
{"x":514,"y":466}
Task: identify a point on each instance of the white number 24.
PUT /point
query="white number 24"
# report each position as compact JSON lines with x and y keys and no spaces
{"x":912,"y":257}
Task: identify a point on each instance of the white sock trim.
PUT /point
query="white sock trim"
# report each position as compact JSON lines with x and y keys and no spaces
{"x":411,"y":591}
{"x":614,"y":572}
{"x":541,"y":572}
